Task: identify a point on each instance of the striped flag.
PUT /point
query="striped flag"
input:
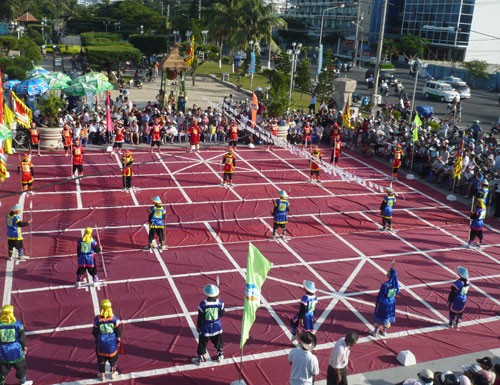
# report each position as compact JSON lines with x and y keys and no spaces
{"x":190,"y":56}
{"x":22,"y":112}
{"x":457,"y":168}
{"x":3,"y":166}
{"x":347,"y":114}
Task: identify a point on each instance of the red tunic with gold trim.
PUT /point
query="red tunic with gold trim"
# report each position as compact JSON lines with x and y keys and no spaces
{"x":314,"y":164}
{"x":119,"y":134}
{"x":26,"y":168}
{"x":306,"y":133}
{"x":397,"y":156}
{"x":127,"y":162}
{"x":194,"y":134}
{"x":156,"y":133}
{"x":34,"y":136}
{"x":274,"y":129}
{"x":233,"y":132}
{"x":67,"y":136}
{"x":337,"y":148}
{"x":77,"y":155}
{"x":229,"y":162}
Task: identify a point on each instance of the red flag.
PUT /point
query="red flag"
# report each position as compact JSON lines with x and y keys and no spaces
{"x":255,"y":108}
{"x":109,"y":124}
{"x":1,"y":97}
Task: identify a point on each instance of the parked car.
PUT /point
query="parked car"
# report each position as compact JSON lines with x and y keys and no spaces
{"x":459,"y":85}
{"x":440,"y":91}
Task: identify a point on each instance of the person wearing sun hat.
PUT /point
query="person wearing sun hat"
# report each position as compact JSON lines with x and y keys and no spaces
{"x":304,"y":363}
{"x":307,"y":307}
{"x":385,"y":308}
{"x":209,"y":325}
{"x":156,"y":219}
{"x":458,"y":297}
{"x":14,"y":233}
{"x":386,"y":208}
{"x":107,"y":331}
{"x":13,"y":347}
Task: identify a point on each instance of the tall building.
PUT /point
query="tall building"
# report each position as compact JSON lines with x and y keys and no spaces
{"x":447,"y":24}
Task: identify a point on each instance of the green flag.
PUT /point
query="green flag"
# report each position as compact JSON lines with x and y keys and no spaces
{"x":415,"y":134}
{"x":417,"y":120}
{"x":257,"y":268}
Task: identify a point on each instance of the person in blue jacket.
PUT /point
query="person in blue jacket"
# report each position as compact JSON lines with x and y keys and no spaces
{"x":14,"y":233}
{"x":209,"y":324}
{"x":305,"y":318}
{"x":385,"y":308}
{"x":107,"y":332}
{"x":280,"y":213}
{"x":156,"y":218}
{"x":458,"y":297}
{"x":477,"y":223}
{"x":386,"y":209}
{"x":86,"y":249}
{"x":13,"y":346}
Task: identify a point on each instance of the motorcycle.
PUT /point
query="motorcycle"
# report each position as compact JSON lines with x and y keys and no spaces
{"x":135,"y":83}
{"x":495,"y":127}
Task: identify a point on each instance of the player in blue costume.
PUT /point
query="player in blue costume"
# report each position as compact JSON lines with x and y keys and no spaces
{"x":483,"y":191}
{"x":385,"y":308}
{"x":458,"y":297}
{"x":386,"y":209}
{"x":477,"y":223}
{"x":86,"y":249}
{"x":280,"y":213}
{"x":14,"y":233}
{"x":107,"y":332}
{"x":157,"y":216}
{"x":305,"y":317}
{"x":12,"y":346}
{"x":209,"y":325}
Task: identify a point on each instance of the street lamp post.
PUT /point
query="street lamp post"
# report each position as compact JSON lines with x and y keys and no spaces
{"x":142,"y":29}
{"x":117,"y":26}
{"x":106,"y":23}
{"x":253,"y":46}
{"x":176,"y":33}
{"x":320,"y":45}
{"x":204,"y":34}
{"x":376,"y":98}
{"x":188,"y":35}
{"x":44,"y":23}
{"x":294,"y":53}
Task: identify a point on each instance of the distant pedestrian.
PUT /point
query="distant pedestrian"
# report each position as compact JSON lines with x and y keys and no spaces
{"x":13,"y":347}
{"x":304,"y":363}
{"x":339,"y":359}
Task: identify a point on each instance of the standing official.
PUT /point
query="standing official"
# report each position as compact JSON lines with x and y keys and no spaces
{"x":304,"y":363}
{"x":339,"y":359}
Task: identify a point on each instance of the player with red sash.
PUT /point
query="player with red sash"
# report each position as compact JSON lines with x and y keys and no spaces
{"x":194,"y":136}
{"x":273,"y":127}
{"x":306,"y":134}
{"x":119,"y":137}
{"x":314,"y":165}
{"x":77,"y":154}
{"x":156,"y":135}
{"x":336,"y":150}
{"x":233,"y":135}
{"x":397,"y":157}
{"x":229,"y":162}
{"x":34,"y":137}
{"x":67,"y":139}
{"x":27,"y":173}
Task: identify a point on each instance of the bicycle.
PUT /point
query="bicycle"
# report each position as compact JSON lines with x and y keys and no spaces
{"x":21,"y":139}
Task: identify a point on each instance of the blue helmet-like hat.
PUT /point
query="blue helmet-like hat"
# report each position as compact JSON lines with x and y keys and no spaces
{"x":310,"y":286}
{"x":463,"y":272}
{"x":156,"y":199}
{"x":16,"y":207}
{"x":211,"y":290}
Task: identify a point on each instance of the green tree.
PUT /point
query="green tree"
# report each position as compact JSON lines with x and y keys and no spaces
{"x":15,"y":67}
{"x":391,"y":48}
{"x":325,"y":88}
{"x":477,"y":68}
{"x":412,"y":46}
{"x":149,"y":44}
{"x":303,"y":77}
{"x":278,"y":93}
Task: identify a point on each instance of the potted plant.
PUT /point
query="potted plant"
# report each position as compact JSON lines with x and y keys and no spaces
{"x":50,"y":132}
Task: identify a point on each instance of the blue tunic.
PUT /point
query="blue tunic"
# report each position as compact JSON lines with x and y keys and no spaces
{"x":86,"y":252}
{"x":210,"y":313}
{"x":478,"y":219}
{"x":13,"y":230}
{"x":11,"y":350}
{"x":458,"y":300}
{"x":387,"y":205}
{"x":281,"y":207}
{"x":156,"y":217}
{"x":309,"y":302}
{"x":385,"y":310}
{"x":107,"y":335}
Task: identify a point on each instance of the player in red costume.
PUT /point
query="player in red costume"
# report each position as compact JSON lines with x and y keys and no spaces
{"x":77,"y":154}
{"x":27,"y":173}
{"x":306,"y":134}
{"x":397,"y":157}
{"x":229,"y":162}
{"x":194,"y":132}
{"x":127,"y":172}
{"x":273,"y":127}
{"x":336,"y":149}
{"x":314,"y":165}
{"x":233,"y":134}
{"x":156,"y":135}
{"x":67,"y":138}
{"x":34,"y":137}
{"x":119,"y":137}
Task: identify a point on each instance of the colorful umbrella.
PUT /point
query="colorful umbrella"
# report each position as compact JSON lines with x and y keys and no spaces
{"x":89,"y":77}
{"x":80,"y":89}
{"x":58,"y":84}
{"x":36,"y":70}
{"x":54,"y":75}
{"x":10,"y":84}
{"x":101,"y":85}
{"x":32,"y":87}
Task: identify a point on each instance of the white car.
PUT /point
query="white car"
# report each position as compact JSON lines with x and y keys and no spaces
{"x":459,"y":85}
{"x":440,"y":91}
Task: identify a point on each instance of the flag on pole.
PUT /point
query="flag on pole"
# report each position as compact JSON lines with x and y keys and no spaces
{"x":418,"y":123}
{"x":257,"y":268}
{"x":22,"y":112}
{"x":457,"y":168}
{"x":190,"y":55}
{"x":1,"y":97}
{"x":255,"y":108}
{"x":320,"y":59}
{"x":109,"y":123}
{"x":347,"y":114}
{"x":251,"y":68}
{"x":3,"y":166}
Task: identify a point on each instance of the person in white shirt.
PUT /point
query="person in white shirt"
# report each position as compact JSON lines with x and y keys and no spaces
{"x":339,"y":359}
{"x":304,"y":363}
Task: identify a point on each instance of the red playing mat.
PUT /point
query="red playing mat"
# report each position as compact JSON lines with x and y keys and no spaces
{"x":333,"y":241}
